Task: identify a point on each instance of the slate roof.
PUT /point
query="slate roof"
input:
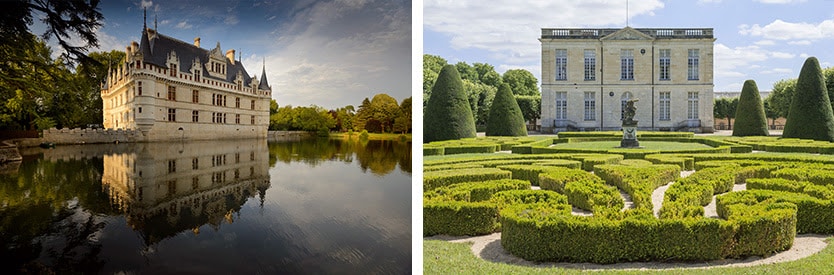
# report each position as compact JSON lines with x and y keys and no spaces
{"x":155,"y":48}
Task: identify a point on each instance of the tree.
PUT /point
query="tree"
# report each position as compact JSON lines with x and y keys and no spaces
{"x":488,"y":75}
{"x":431,"y":68}
{"x":780,"y":97}
{"x":530,"y":107}
{"x":363,"y":114}
{"x":505,"y":117}
{"x":402,"y":124}
{"x":384,"y":109}
{"x":92,"y":75}
{"x":273,"y":107}
{"x":448,"y":115}
{"x":467,"y":72}
{"x":66,"y":21}
{"x":725,"y":108}
{"x":771,"y":114}
{"x":750,"y":114}
{"x":522,"y":82}
{"x":810,"y":115}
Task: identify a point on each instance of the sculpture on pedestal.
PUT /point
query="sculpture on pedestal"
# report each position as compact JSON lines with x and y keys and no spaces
{"x":630,"y":126}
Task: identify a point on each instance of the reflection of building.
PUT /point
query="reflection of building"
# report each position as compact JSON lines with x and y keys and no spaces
{"x":589,"y":74}
{"x":166,"y":188}
{"x":169,"y":89}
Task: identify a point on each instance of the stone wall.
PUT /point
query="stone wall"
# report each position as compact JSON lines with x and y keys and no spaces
{"x":9,"y":153}
{"x":288,"y":135}
{"x":85,"y":136}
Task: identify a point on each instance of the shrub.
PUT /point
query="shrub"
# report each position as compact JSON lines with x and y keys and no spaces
{"x":363,"y":135}
{"x":813,"y":215}
{"x":556,"y":179}
{"x":810,"y":115}
{"x":505,"y":118}
{"x":459,"y":218}
{"x":433,"y":151}
{"x":435,"y":179}
{"x":593,"y":195}
{"x":750,"y":115}
{"x":448,"y":115}
{"x":638,"y":182}
{"x":528,"y":172}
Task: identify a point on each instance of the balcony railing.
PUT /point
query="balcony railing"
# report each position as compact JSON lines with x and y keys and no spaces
{"x":660,"y":33}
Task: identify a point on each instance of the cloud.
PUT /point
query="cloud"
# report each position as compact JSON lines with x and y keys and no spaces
{"x":765,"y":43}
{"x":780,"y":71}
{"x":183,"y":25}
{"x":334,"y":54}
{"x":231,"y":20}
{"x":779,"y":1}
{"x":708,"y":1}
{"x":781,"y":30}
{"x":146,"y":4}
{"x":800,"y":42}
{"x":509,"y":30}
{"x":782,"y":55}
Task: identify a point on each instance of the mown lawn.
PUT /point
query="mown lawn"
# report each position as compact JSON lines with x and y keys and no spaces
{"x":442,"y":257}
{"x":648,"y":145}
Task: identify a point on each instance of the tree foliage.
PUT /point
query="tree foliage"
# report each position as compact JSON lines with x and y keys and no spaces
{"x":779,"y":99}
{"x":312,"y":118}
{"x":750,"y":114}
{"x":810,"y":114}
{"x":448,"y":114}
{"x":725,"y":108}
{"x":522,"y":82}
{"x":431,"y":68}
{"x":505,"y":117}
{"x":65,"y":21}
{"x":530,"y":107}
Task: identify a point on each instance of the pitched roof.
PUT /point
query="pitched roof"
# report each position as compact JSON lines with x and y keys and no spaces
{"x":155,"y":48}
{"x":263,"y":85}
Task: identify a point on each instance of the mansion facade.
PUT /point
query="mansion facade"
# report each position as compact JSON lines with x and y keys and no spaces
{"x":168,"y":89}
{"x":588,"y":75}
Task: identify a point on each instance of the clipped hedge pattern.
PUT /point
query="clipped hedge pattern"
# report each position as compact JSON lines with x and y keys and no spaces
{"x":435,"y":179}
{"x":464,"y":208}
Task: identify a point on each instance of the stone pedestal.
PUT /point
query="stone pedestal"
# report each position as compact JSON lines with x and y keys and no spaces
{"x":629,"y":136}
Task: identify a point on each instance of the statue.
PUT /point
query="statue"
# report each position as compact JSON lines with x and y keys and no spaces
{"x":630,"y":126}
{"x":629,"y":112}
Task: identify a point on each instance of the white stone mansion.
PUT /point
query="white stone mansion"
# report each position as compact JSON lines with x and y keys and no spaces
{"x":589,"y":74}
{"x":167,"y":89}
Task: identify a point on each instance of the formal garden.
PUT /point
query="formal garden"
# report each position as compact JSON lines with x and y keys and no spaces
{"x":580,"y":200}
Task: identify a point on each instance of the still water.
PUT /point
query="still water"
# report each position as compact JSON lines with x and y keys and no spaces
{"x":314,"y":206}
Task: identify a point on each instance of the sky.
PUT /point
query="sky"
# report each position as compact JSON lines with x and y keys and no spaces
{"x":763,"y":40}
{"x":329,"y":53}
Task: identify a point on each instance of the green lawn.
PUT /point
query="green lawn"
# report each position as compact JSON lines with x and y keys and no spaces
{"x":647,"y":145}
{"x":442,"y":257}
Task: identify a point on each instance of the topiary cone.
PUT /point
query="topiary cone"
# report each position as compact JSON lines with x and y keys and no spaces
{"x":810,"y":115}
{"x":750,"y":114}
{"x":505,"y":118}
{"x":448,"y":115}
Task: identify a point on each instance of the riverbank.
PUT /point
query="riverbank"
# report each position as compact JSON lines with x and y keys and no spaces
{"x":373,"y":136}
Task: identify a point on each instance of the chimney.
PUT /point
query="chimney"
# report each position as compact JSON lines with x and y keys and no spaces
{"x":230,"y":54}
{"x":134,"y":47}
{"x":197,"y":42}
{"x":127,"y":51}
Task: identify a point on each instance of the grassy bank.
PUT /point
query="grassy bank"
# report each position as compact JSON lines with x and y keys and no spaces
{"x":371,"y":136}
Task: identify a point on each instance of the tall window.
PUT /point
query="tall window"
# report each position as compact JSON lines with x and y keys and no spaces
{"x":562,"y":64}
{"x":172,"y":114}
{"x":172,"y":93}
{"x":253,"y":105}
{"x":195,"y":116}
{"x":590,"y":65}
{"x":692,"y":106}
{"x":252,"y":119}
{"x":692,"y":64}
{"x":237,"y":118}
{"x":590,"y":106}
{"x":626,"y":64}
{"x":173,"y":69}
{"x":237,"y":102}
{"x":665,"y":106}
{"x":561,"y":105}
{"x":665,"y":63}
{"x":139,"y":86}
{"x":195,"y":96}
{"x":623,"y":102}
{"x":197,"y":76}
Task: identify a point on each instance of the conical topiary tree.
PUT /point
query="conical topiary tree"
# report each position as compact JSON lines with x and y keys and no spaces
{"x":810,"y":115}
{"x":750,"y":114}
{"x":447,"y":114}
{"x":505,"y":118}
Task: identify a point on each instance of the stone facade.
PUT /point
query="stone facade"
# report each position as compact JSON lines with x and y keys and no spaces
{"x":588,"y":74}
{"x":167,"y":89}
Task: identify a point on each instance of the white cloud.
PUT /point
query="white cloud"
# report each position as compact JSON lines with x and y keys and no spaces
{"x":732,"y":62}
{"x":183,"y":25}
{"x":782,"y":55}
{"x":800,"y":42}
{"x":781,"y":30}
{"x":779,"y":1}
{"x":231,"y":20}
{"x":146,"y":4}
{"x":804,"y":55}
{"x":765,"y":43}
{"x":779,"y":71}
{"x":510,"y":30}
{"x":708,"y":1}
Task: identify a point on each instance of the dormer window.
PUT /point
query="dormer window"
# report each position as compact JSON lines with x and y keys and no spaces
{"x":173,"y":69}
{"x":197,"y":76}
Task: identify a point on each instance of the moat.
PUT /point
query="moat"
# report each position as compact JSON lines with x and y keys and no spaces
{"x":313,"y":206}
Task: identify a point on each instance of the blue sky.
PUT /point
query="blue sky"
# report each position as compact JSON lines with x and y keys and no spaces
{"x":763,"y":40}
{"x":322,"y":52}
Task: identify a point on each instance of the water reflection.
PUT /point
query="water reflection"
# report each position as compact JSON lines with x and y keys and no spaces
{"x":166,"y":188}
{"x":209,"y":207}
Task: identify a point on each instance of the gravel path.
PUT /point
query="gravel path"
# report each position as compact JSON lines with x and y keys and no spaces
{"x":489,"y":247}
